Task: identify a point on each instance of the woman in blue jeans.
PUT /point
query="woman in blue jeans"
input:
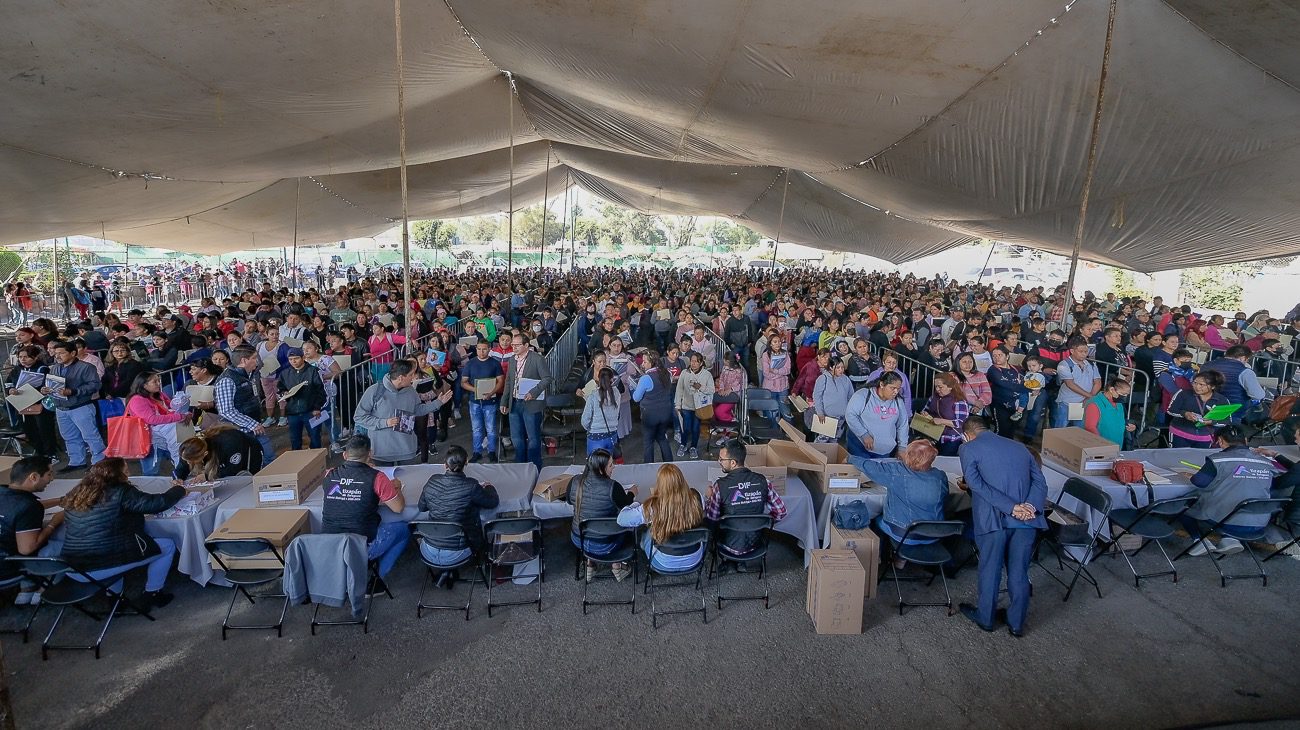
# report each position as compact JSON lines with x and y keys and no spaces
{"x":600,"y":413}
{"x":104,"y":529}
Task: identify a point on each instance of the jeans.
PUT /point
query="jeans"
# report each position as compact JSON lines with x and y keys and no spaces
{"x":1061,"y":416}
{"x":1034,"y":413}
{"x":690,"y":428}
{"x":781,"y":399}
{"x":77,"y":427}
{"x":268,"y":450}
{"x":483,"y":421}
{"x":388,"y":545}
{"x":439,"y":556}
{"x":853,"y":444}
{"x":159,"y":566}
{"x":296,"y":424}
{"x":526,"y":433}
{"x":656,"y":432}
{"x":605,"y":441}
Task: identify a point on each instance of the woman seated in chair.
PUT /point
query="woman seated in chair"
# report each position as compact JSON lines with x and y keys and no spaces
{"x":671,"y":509}
{"x":454,"y":497}
{"x":917,"y":490}
{"x":594,"y":494}
{"x":731,"y":381}
{"x":104,"y":528}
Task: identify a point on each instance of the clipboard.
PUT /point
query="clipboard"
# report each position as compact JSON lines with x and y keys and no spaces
{"x":32,"y":378}
{"x":468,"y":341}
{"x":286,"y":395}
{"x":1016,"y":359}
{"x":270,"y":367}
{"x":25,"y":397}
{"x":202,"y":393}
{"x":590,"y":388}
{"x":385,"y":319}
{"x":1074,"y":411}
{"x":292,"y":341}
{"x":1223,"y":412}
{"x":344,"y":361}
{"x":830,"y":427}
{"x":485,"y":388}
{"x":798,"y":402}
{"x":56,"y":384}
{"x":925,"y":428}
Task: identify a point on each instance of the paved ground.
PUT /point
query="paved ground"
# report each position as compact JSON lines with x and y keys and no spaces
{"x":1169,"y":655}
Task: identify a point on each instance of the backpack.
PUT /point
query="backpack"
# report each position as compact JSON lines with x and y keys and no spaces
{"x":853,"y":515}
{"x":1281,"y":409}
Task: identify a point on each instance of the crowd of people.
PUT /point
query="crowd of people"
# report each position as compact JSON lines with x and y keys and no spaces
{"x":863,"y":359}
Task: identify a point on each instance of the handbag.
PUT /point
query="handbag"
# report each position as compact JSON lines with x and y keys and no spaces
{"x":853,"y":515}
{"x":128,"y":438}
{"x":1281,"y":409}
{"x":1127,"y":471}
{"x":111,"y":408}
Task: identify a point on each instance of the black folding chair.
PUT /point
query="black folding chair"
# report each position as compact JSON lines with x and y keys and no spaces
{"x":607,"y":529}
{"x":372,"y":579}
{"x":683,"y":543}
{"x":65,"y":585}
{"x":1152,"y":523}
{"x":759,"y":401}
{"x":736,"y":527}
{"x":241,"y":578}
{"x":25,"y":628}
{"x":1078,"y":543}
{"x":933,"y":553}
{"x":1292,"y":529}
{"x":511,"y":542}
{"x":1247,"y":507}
{"x":428,"y":531}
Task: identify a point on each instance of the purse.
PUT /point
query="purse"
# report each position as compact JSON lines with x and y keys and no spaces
{"x":853,"y":515}
{"x":128,"y":438}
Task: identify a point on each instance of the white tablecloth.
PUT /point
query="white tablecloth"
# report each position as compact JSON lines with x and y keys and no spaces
{"x":873,"y":495}
{"x":513,"y":482}
{"x":1056,"y":476}
{"x":799,"y":519}
{"x":187,"y":532}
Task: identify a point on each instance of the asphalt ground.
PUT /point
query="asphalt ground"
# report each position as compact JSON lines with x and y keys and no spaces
{"x":1168,"y":655}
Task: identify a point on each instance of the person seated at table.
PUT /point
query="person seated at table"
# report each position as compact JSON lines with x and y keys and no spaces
{"x":1188,"y":427}
{"x":671,"y":509}
{"x":595,"y":494}
{"x":354,"y":490}
{"x":22,"y":516}
{"x":1229,"y":476}
{"x":454,"y":497}
{"x":1103,"y":414}
{"x":740,"y":491}
{"x":104,"y":529}
{"x":917,"y":490}
{"x":949,"y":408}
{"x":1285,"y":484}
{"x":217,"y":453}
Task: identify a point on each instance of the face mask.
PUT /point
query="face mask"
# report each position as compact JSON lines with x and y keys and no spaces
{"x":537,"y":328}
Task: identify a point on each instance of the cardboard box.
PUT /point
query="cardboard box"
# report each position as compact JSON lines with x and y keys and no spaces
{"x":1079,"y":451}
{"x":819,"y":463}
{"x":290,"y":478}
{"x":866,"y":545}
{"x":835,"y":592}
{"x":554,"y":489}
{"x":280,"y":526}
{"x":6,"y":464}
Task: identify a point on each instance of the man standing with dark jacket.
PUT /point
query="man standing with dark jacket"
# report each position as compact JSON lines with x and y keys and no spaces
{"x":1008,"y":493}
{"x":74,"y":409}
{"x":306,"y":403}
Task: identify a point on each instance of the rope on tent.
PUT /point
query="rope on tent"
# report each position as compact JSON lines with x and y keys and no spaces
{"x":1093,"y":143}
{"x":297,"y":199}
{"x":401,"y":151}
{"x":510,"y":222}
{"x":780,"y":219}
{"x":546,"y":205}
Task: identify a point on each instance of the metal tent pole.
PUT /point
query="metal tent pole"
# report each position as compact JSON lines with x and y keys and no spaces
{"x":297,"y":199}
{"x":401,"y":150}
{"x":510,"y":221}
{"x":546,"y":205}
{"x":780,"y":221}
{"x":1090,"y":171}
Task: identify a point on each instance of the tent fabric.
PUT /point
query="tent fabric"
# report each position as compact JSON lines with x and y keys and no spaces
{"x":891,"y":129}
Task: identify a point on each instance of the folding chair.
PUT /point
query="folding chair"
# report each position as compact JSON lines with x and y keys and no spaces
{"x":372,"y":576}
{"x":607,"y":529}
{"x":1292,"y":529}
{"x":560,"y":421}
{"x":927,"y":553}
{"x":425,"y":533}
{"x":76,"y":588}
{"x":683,"y":543}
{"x":241,"y":578}
{"x":295,"y":555}
{"x":760,"y":401}
{"x":1152,"y":523}
{"x":1246,"y":507}
{"x":511,"y":542}
{"x":760,"y":526}
{"x":26,"y":627}
{"x":1063,"y":539}
{"x":720,"y":429}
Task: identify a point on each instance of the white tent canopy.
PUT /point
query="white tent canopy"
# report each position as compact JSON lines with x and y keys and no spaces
{"x":907,"y":128}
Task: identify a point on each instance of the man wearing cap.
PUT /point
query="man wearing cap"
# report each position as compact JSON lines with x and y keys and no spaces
{"x":306,"y":402}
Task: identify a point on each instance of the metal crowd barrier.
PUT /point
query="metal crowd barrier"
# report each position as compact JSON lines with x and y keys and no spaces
{"x":562,"y":357}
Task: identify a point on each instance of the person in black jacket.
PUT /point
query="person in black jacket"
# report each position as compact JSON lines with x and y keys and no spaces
{"x":104,"y":528}
{"x":594,"y":494}
{"x":454,"y":497}
{"x":219,"y":452}
{"x":305,"y":404}
{"x":38,"y":422}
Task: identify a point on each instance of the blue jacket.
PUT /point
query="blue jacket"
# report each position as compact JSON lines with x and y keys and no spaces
{"x":912,"y":495}
{"x":1001,"y":474}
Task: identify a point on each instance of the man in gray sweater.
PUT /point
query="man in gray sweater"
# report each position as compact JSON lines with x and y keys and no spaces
{"x":878,"y":419}
{"x":388,"y":409}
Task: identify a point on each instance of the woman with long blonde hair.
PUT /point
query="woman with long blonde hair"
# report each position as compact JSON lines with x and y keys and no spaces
{"x":671,"y":509}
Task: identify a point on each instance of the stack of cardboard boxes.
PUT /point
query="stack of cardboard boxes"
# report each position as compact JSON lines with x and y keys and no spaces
{"x":287,"y":481}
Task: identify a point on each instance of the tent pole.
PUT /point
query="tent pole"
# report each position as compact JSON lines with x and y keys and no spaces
{"x":510,"y":221}
{"x":573,"y":230}
{"x":1094,"y":140}
{"x":560,"y":266}
{"x":57,"y":286}
{"x":546,"y":205}
{"x":297,"y":199}
{"x":401,"y":151}
{"x":987,"y":259}
{"x":780,"y":221}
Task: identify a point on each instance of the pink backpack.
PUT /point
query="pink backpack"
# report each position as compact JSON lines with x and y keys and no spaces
{"x":724,"y":412}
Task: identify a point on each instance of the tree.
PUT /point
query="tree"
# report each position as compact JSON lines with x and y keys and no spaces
{"x":479,"y":229}
{"x":437,"y":235}
{"x":1123,"y":284}
{"x":9,"y":264}
{"x":681,"y":229}
{"x":528,"y":227}
{"x":730,"y":236}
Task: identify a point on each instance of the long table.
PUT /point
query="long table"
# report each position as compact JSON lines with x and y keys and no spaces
{"x":1121,"y":495}
{"x":799,"y":519}
{"x":188,"y":532}
{"x":874,"y":496}
{"x":513,"y":483}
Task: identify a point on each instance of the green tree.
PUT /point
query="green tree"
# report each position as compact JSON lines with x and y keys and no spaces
{"x":437,"y":235}
{"x":479,"y":229}
{"x":10,"y":262}
{"x":730,"y":236}
{"x":528,"y":227}
{"x":1123,"y":284}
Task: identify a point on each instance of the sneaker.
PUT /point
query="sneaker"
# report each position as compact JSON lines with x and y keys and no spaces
{"x":692,"y":453}
{"x":491,"y":458}
{"x":268,"y":422}
{"x":1019,"y":414}
{"x":591,"y":572}
{"x":1229,"y":546}
{"x":475,"y":458}
{"x":621,"y":571}
{"x":282,"y":422}
{"x":677,"y":436}
{"x":681,"y":451}
{"x":345,"y":434}
{"x":1201,"y":547}
{"x":72,"y":468}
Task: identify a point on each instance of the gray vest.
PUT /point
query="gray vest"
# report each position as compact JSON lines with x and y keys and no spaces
{"x":657,"y":404}
{"x":1240,"y":474}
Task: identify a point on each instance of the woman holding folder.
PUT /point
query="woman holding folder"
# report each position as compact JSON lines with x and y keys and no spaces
{"x":38,"y":422}
{"x":1190,"y":424}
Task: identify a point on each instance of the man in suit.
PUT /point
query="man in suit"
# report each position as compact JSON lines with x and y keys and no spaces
{"x":1008,"y":493}
{"x":525,"y":407}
